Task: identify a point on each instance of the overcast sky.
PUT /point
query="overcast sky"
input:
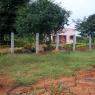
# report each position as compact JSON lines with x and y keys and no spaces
{"x":79,"y":8}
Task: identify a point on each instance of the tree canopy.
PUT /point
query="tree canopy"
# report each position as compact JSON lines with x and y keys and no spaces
{"x":87,"y":25}
{"x":42,"y":16}
{"x":8,"y":14}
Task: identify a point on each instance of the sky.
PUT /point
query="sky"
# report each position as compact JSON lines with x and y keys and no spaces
{"x":79,"y":8}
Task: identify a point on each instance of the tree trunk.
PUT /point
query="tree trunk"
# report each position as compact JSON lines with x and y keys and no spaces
{"x":74,"y":42}
{"x":12,"y":42}
{"x":57,"y":41}
{"x":37,"y":43}
{"x":90,"y":43}
{"x":1,"y":38}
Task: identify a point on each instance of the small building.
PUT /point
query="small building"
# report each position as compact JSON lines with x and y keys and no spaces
{"x":65,"y":36}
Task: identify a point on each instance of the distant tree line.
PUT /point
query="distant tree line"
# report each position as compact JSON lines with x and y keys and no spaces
{"x":86,"y":26}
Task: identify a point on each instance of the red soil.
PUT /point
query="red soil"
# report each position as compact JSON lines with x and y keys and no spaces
{"x":6,"y":83}
{"x":81,"y":83}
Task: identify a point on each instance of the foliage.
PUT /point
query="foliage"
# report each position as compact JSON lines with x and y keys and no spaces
{"x":48,"y":47}
{"x":41,"y":16}
{"x":31,"y":67}
{"x":23,"y":41}
{"x":67,"y":46}
{"x":8,"y":10}
{"x":70,"y":46}
{"x":86,"y":26}
{"x":79,"y":45}
{"x":82,"y":40}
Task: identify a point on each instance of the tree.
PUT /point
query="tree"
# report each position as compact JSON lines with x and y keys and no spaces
{"x":8,"y":10}
{"x":86,"y":26}
{"x":42,"y":16}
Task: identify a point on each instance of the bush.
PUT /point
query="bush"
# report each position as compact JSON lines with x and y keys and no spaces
{"x":19,"y":43}
{"x":68,"y":46}
{"x":28,"y":46}
{"x":48,"y":47}
{"x":26,"y":41}
{"x":79,"y":45}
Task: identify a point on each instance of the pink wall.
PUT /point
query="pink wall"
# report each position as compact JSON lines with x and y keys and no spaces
{"x":66,"y":36}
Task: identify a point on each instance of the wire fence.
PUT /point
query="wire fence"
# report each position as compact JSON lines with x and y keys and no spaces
{"x":22,"y":45}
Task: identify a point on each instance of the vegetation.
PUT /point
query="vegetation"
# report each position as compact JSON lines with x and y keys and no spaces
{"x":60,"y":89}
{"x":41,"y":16}
{"x":8,"y":9}
{"x":29,"y":68}
{"x":86,"y":26}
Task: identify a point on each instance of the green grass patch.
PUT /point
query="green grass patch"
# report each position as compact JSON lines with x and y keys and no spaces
{"x":31,"y":67}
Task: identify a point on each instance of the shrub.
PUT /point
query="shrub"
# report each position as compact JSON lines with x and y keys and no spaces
{"x":48,"y":47}
{"x":68,"y":46}
{"x":79,"y":45}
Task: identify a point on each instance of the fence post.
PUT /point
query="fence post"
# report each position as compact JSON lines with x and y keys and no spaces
{"x":57,"y":41}
{"x":90,"y":44}
{"x":12,"y":42}
{"x":37,"y":43}
{"x":74,"y":42}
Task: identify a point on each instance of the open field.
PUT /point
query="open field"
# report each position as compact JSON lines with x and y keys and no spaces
{"x":42,"y":70}
{"x":27,"y":68}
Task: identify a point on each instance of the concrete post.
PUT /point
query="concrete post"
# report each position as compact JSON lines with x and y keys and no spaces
{"x":74,"y":42}
{"x":57,"y":41}
{"x":37,"y":43}
{"x":12,"y":42}
{"x":90,"y":42}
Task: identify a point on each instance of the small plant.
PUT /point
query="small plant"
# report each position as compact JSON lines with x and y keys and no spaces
{"x":48,"y":46}
{"x":34,"y":92}
{"x":60,"y":89}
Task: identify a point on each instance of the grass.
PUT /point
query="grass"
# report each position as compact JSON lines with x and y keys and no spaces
{"x":31,"y":67}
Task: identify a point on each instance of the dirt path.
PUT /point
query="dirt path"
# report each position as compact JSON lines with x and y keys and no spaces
{"x":81,"y":83}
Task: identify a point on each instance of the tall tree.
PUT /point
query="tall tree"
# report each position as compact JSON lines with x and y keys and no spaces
{"x":87,"y":28}
{"x":8,"y":10}
{"x":42,"y":16}
{"x":87,"y":25}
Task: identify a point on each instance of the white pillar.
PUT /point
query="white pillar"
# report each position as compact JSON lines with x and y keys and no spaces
{"x":74,"y":42}
{"x":67,"y":39}
{"x":57,"y":41}
{"x":90,"y":42}
{"x":37,"y":43}
{"x":12,"y":42}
